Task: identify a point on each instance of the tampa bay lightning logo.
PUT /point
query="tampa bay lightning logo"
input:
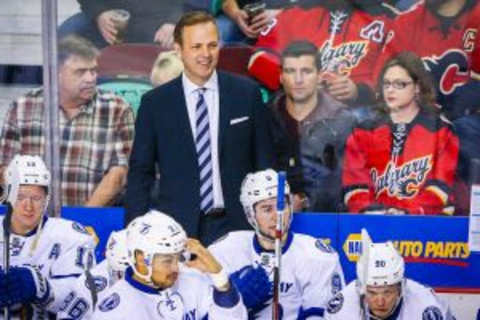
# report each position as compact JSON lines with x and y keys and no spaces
{"x":432,"y":313}
{"x":109,"y":303}
{"x":170,"y":305}
{"x":79,"y":228}
{"x":323,"y":246}
{"x":450,"y":70}
{"x":335,"y":304}
{"x":99,"y":282}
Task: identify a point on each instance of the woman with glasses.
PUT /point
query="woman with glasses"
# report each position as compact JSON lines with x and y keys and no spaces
{"x":402,"y":161}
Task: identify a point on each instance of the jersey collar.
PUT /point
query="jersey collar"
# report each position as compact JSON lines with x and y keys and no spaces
{"x":34,"y":230}
{"x":137,"y":285}
{"x":259,"y":249}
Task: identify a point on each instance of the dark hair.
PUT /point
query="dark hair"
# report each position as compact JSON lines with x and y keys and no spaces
{"x":415,"y":68}
{"x":190,"y":19}
{"x":302,"y":48}
{"x":74,"y":45}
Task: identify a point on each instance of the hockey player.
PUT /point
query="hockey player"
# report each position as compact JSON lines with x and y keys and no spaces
{"x":381,"y":291}
{"x":310,"y":274}
{"x":445,"y":34}
{"x":90,"y":287}
{"x":46,"y":254}
{"x":158,"y":286}
{"x":349,"y":35}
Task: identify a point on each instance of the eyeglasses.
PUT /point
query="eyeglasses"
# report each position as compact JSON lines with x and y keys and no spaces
{"x":396,"y":84}
{"x":35,"y":198}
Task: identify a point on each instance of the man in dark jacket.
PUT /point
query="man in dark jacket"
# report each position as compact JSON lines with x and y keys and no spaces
{"x":150,"y":21}
{"x":310,"y":130}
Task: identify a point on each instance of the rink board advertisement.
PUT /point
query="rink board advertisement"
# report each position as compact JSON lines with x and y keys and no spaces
{"x":435,"y":248}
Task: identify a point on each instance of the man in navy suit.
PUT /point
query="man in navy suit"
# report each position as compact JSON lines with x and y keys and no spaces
{"x":204,"y":131}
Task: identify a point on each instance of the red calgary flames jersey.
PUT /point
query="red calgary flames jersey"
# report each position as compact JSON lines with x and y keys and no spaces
{"x":349,"y":43}
{"x":449,"y":47}
{"x":418,"y":180}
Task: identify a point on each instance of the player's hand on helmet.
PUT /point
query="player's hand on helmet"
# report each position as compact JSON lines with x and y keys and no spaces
{"x":24,"y":285}
{"x":253,"y":285}
{"x":342,"y":88}
{"x":204,"y":260}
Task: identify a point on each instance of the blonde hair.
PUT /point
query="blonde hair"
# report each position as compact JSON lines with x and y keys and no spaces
{"x":166,"y":67}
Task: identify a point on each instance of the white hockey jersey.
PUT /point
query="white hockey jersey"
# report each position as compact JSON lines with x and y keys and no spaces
{"x":63,"y":249}
{"x":79,"y":303}
{"x":311,"y":273}
{"x":190,"y":298}
{"x":418,"y":303}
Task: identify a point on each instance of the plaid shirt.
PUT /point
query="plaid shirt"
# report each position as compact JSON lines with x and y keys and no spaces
{"x":99,"y":137}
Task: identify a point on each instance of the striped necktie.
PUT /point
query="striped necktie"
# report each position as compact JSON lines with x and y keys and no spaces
{"x":204,"y":154}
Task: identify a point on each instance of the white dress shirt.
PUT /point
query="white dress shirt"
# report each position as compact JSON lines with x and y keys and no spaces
{"x":212,"y":99}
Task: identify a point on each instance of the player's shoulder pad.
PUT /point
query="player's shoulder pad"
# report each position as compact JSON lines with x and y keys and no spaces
{"x":233,"y":238}
{"x":422,"y":295}
{"x":109,"y":303}
{"x":314,"y":245}
{"x":79,"y":228}
{"x":324,"y":245}
{"x":60,"y":227}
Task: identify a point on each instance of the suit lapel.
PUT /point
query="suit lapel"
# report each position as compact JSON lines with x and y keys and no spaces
{"x":225,"y":102}
{"x":179,"y":108}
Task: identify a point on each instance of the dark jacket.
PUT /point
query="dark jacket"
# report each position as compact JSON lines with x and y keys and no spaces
{"x":313,"y":156}
{"x":163,"y":137}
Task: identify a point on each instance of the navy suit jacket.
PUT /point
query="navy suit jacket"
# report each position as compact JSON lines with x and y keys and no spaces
{"x":163,"y":136}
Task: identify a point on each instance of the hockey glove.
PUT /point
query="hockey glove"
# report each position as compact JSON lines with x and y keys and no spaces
{"x":27,"y":285}
{"x":253,"y":285}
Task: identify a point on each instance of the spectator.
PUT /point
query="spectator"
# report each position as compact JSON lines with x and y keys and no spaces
{"x":404,"y":160}
{"x":311,"y":128}
{"x":348,"y":34}
{"x":212,"y":154}
{"x":46,"y":255}
{"x":445,"y":35}
{"x":166,"y":67}
{"x":150,"y":21}
{"x":96,"y":129}
{"x":382,"y":292}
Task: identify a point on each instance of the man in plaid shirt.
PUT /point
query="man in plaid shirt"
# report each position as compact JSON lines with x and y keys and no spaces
{"x":96,"y":129}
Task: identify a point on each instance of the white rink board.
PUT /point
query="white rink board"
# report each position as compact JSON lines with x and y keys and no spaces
{"x":465,"y":306}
